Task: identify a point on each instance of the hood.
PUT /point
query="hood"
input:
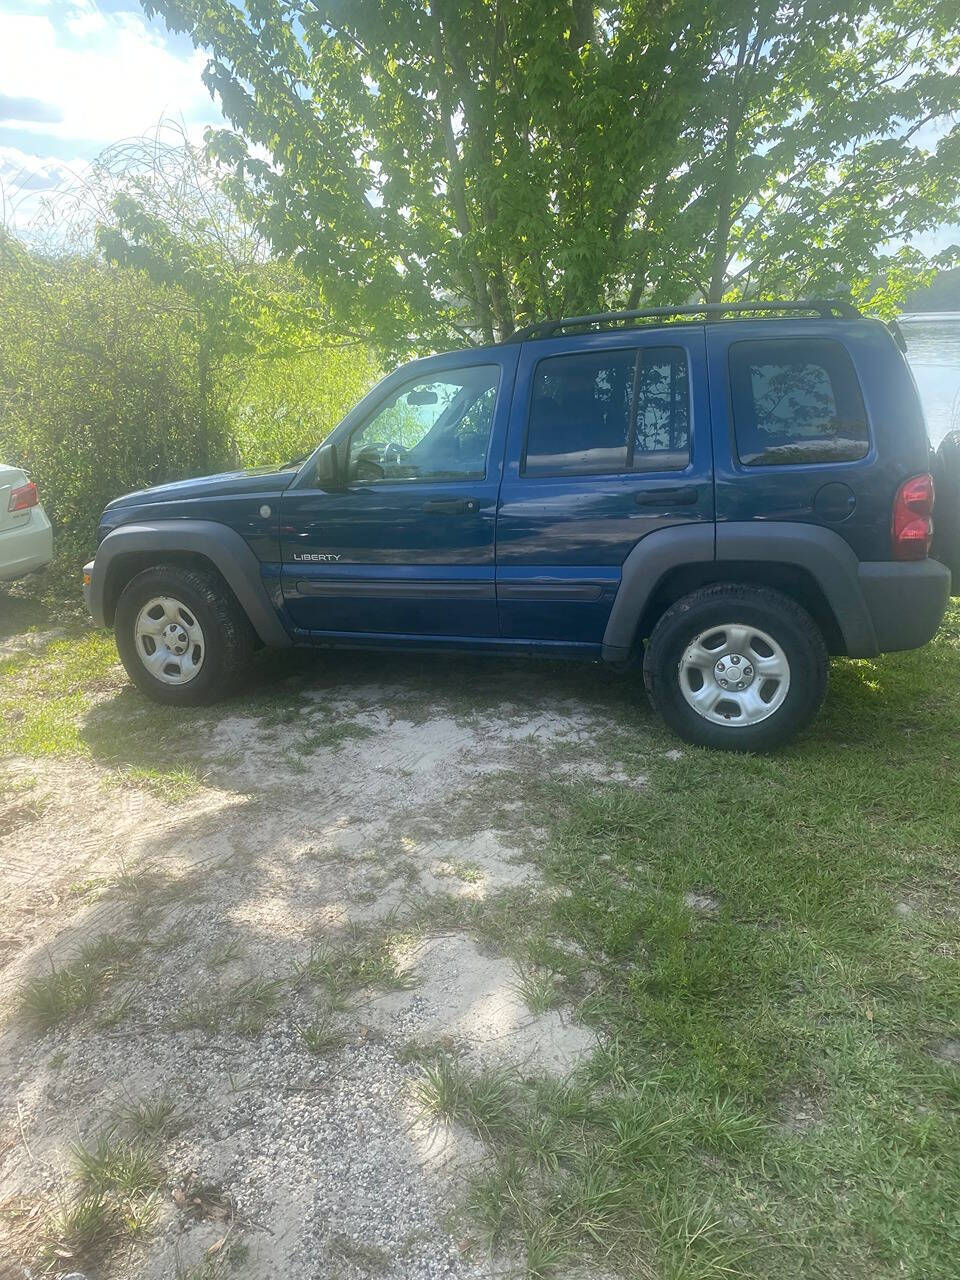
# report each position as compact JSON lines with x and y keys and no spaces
{"x":265,"y":480}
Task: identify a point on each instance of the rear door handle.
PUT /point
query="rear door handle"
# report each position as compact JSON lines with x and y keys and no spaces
{"x":683,"y":496}
{"x":450,"y":506}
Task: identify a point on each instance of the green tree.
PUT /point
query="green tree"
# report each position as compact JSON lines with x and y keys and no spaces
{"x":158,"y":207}
{"x":809,"y":156}
{"x":461,"y":167}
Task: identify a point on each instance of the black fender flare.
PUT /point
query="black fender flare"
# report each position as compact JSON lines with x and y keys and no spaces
{"x":222,"y":546}
{"x":823,"y":553}
{"x":644,"y":568}
{"x":829,"y":559}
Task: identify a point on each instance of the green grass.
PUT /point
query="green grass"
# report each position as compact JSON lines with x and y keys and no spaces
{"x":114,"y":1193}
{"x":71,"y":989}
{"x":538,"y":988}
{"x":43,"y":694}
{"x":81,"y":1232}
{"x":115,"y":1196}
{"x":680,"y":1149}
{"x":62,"y":993}
{"x":327,"y":737}
{"x":149,"y":1119}
{"x":111,"y":1163}
{"x":462,"y":870}
{"x":52,"y":704}
{"x":245,"y":1006}
{"x":173,"y":785}
{"x":366,"y":958}
{"x":481,"y":1102}
{"x":771,"y":1096}
{"x":320,"y":1035}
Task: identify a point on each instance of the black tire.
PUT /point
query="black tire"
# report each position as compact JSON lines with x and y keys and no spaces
{"x":726,"y":604}
{"x":228,"y":638}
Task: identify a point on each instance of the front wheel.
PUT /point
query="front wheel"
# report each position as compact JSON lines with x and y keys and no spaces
{"x":181,"y":635}
{"x":736,"y":667}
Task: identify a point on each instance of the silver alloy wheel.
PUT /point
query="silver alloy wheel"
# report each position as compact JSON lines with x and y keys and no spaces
{"x":169,"y":640}
{"x":734,"y":674}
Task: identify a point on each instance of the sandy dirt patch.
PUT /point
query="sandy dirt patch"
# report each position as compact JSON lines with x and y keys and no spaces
{"x":334,"y":811}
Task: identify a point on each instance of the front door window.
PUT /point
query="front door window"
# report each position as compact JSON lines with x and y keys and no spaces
{"x":433,"y":429}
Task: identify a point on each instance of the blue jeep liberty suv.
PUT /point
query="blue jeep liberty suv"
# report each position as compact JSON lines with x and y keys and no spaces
{"x":733,"y":492}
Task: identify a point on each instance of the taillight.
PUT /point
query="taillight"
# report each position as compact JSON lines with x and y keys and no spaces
{"x":912,"y":526}
{"x":23,"y":498}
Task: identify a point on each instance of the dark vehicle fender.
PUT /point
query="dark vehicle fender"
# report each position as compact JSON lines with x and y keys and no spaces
{"x":644,"y":568}
{"x":820,"y":553}
{"x":830,"y":561}
{"x":223,"y":547}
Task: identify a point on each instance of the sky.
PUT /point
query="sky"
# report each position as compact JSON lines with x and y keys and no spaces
{"x":78,"y":75}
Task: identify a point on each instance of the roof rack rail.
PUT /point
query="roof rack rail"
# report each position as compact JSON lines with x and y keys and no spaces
{"x":827,"y":308}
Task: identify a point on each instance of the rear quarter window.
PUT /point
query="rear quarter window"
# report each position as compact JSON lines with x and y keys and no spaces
{"x":796,"y":400}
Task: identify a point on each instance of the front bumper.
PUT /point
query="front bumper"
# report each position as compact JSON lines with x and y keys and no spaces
{"x":26,"y":547}
{"x":906,"y":601}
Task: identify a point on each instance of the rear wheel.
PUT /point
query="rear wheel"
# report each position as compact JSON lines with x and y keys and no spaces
{"x":181,"y":635}
{"x":736,"y":667}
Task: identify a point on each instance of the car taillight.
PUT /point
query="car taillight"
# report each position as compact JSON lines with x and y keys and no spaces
{"x":23,"y":498}
{"x":912,"y":527}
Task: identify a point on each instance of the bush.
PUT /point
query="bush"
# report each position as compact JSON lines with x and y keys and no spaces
{"x":101,"y":392}
{"x":289,"y":405}
{"x":98,"y":388}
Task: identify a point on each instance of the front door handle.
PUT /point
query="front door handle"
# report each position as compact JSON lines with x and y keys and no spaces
{"x":450,"y":506}
{"x":683,"y":496}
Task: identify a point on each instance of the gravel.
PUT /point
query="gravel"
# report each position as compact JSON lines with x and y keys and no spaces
{"x":329,"y":1169}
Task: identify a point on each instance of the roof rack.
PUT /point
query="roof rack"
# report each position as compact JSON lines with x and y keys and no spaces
{"x":827,"y":308}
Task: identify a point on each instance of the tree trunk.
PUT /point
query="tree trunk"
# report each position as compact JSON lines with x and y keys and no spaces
{"x":456,"y":184}
{"x":721,"y":241}
{"x":203,"y":387}
{"x":581,"y":23}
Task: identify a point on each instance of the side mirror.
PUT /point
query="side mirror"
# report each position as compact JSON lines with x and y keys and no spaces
{"x":326,"y":473}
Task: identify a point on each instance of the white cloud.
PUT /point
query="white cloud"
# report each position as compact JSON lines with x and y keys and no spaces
{"x":27,"y":181}
{"x":110,"y":76}
{"x":35,"y":171}
{"x":84,"y":20}
{"x":937,"y":240}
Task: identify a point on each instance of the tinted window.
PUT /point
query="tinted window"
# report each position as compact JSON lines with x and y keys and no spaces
{"x":796,"y":400}
{"x":662,"y":411}
{"x":437,"y":428}
{"x":584,"y":404}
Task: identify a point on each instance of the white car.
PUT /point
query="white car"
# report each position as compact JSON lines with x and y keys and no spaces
{"x":26,"y":539}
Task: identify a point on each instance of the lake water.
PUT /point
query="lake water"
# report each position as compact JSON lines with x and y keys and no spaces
{"x":933,"y":349}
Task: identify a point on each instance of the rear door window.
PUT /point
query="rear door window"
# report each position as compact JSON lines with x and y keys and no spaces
{"x":661,"y":412}
{"x":609,"y":412}
{"x":796,"y":400}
